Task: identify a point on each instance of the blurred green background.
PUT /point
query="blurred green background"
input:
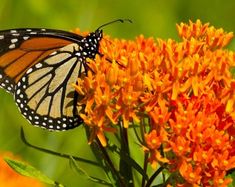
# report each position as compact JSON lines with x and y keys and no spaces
{"x":150,"y":17}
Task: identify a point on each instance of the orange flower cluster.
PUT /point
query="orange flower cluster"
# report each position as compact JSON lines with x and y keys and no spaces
{"x":9,"y":178}
{"x":181,"y":93}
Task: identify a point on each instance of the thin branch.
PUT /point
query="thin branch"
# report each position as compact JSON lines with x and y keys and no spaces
{"x":110,"y":163}
{"x":22,"y":135}
{"x":151,"y":179}
{"x":146,"y":155}
{"x":125,"y":168}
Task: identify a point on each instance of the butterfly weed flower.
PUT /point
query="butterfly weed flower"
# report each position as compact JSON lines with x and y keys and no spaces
{"x":180,"y":95}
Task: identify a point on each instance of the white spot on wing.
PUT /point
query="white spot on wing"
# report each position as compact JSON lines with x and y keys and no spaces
{"x":38,"y":65}
{"x":18,"y":92}
{"x":1,"y":37}
{"x":54,"y":53}
{"x":15,"y":34}
{"x":12,"y":46}
{"x":14,"y":40}
{"x":33,"y":32}
{"x":26,"y":37}
{"x":23,"y":79}
{"x":29,"y":70}
{"x":13,"y":31}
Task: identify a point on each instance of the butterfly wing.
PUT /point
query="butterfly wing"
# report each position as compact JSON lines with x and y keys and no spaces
{"x":43,"y":94}
{"x":38,"y":67}
{"x":22,"y":48}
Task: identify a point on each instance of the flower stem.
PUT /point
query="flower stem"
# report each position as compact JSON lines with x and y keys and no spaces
{"x":145,"y":167}
{"x":125,"y":168}
{"x":154,"y":176}
{"x":106,"y":157}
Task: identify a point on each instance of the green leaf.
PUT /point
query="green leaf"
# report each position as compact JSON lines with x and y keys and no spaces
{"x":232,"y":176}
{"x":29,"y":171}
{"x":84,"y":174}
{"x":232,"y":71}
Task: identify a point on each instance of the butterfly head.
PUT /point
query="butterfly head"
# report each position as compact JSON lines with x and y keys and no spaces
{"x":91,"y":43}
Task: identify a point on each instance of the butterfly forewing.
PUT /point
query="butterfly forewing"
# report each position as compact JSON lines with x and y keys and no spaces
{"x":22,"y":48}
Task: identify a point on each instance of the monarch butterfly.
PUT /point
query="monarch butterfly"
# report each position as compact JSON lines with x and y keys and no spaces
{"x":38,"y":66}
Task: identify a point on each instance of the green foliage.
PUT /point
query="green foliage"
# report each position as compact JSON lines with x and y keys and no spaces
{"x":232,"y":176}
{"x":29,"y":171}
{"x":232,"y":70}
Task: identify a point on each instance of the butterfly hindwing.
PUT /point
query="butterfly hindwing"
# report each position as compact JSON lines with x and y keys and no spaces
{"x":42,"y":94}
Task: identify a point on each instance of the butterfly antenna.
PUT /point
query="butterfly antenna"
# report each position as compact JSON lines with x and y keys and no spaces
{"x":114,"y":21}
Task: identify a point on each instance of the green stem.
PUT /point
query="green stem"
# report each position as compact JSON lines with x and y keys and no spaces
{"x":145,"y":167}
{"x":103,"y":158}
{"x":151,"y":179}
{"x":23,"y":138}
{"x":110,"y":164}
{"x":125,"y":168}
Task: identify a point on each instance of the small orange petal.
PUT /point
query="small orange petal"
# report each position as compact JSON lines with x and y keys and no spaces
{"x":102,"y":138}
{"x":229,"y":105}
{"x":175,"y":90}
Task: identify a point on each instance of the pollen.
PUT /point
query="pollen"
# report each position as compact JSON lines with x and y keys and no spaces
{"x":180,"y":148}
{"x":192,"y":175}
{"x":218,"y":141}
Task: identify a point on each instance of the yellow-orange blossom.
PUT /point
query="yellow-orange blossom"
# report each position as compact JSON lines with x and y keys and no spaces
{"x":184,"y":88}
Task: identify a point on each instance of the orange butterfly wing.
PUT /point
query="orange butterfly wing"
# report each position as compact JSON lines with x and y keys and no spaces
{"x":22,"y":48}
